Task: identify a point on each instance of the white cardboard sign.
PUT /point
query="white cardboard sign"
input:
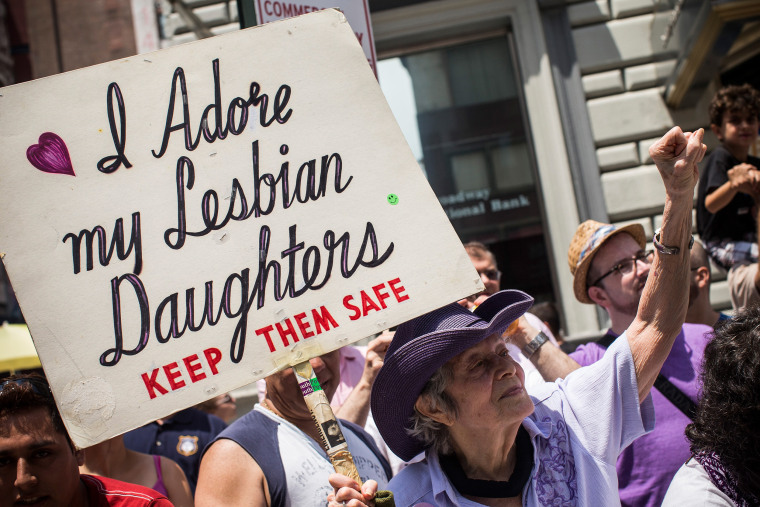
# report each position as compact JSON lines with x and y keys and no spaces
{"x":182,"y":223}
{"x":356,"y":12}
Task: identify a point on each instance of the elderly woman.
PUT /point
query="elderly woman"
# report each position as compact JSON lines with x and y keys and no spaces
{"x":725,"y":435}
{"x":450,"y":388}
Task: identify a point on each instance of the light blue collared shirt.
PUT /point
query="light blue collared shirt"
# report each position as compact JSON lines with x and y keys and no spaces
{"x":578,"y":428}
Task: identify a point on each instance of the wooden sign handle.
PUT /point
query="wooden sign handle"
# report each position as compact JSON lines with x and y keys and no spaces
{"x":330,"y":433}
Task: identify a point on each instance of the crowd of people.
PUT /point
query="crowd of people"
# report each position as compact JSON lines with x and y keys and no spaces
{"x":480,"y":402}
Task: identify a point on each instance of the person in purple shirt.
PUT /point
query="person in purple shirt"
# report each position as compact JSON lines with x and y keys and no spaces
{"x":610,"y":267}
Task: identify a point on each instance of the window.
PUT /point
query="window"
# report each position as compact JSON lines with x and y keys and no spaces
{"x":461,"y":110}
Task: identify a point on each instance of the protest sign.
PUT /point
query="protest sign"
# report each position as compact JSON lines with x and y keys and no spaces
{"x":356,"y":12}
{"x":185,"y":222}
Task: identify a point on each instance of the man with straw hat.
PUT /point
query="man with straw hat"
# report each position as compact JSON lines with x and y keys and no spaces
{"x":610,"y":267}
{"x":449,"y":386}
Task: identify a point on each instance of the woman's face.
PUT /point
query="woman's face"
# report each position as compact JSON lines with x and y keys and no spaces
{"x":488,"y":387}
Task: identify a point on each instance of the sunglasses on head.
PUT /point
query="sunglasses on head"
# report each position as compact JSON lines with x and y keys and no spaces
{"x":37,"y":385}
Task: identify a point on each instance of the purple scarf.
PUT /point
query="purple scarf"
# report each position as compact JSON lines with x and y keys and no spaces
{"x":724,"y":480}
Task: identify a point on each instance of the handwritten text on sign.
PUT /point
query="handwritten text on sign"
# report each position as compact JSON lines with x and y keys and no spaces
{"x":188,"y":221}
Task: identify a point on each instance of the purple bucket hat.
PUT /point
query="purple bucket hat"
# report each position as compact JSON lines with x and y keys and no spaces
{"x":424,"y":344}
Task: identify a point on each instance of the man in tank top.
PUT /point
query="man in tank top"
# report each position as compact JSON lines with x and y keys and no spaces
{"x":271,"y":456}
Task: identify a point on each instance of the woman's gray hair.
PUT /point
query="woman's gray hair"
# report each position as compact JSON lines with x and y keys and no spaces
{"x":433,"y":433}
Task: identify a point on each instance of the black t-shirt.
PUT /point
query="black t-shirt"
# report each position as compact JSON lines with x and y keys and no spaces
{"x":735,"y":221}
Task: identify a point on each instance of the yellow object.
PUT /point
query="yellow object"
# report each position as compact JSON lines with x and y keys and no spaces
{"x":17,"y":350}
{"x":512,"y":327}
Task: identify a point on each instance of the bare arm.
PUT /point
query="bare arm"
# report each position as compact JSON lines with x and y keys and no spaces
{"x":663,"y":304}
{"x":550,"y":361}
{"x":176,"y":483}
{"x":356,"y":407}
{"x":229,"y":476}
{"x":720,"y":197}
{"x":741,"y":178}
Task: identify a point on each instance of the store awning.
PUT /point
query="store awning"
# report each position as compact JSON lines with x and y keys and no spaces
{"x":17,"y":350}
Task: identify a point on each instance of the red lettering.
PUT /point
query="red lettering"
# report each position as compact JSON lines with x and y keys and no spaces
{"x":192,"y":366}
{"x":398,"y":290}
{"x":285,"y":332}
{"x":213,"y":356}
{"x":347,"y":303}
{"x":324,"y":320}
{"x":303,"y":326}
{"x":268,"y":7}
{"x":381,"y":296}
{"x":171,"y":375}
{"x":265,"y":332}
{"x":152,"y":385}
{"x":359,"y":36}
{"x":174,"y":373}
{"x":368,"y":304}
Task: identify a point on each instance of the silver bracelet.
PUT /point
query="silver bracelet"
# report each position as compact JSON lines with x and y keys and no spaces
{"x":668,"y":250}
{"x":535,"y":344}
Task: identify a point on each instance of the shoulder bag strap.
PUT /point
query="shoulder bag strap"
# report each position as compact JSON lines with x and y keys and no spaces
{"x":665,"y":386}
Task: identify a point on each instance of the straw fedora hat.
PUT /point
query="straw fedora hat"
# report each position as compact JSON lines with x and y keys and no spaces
{"x":589,"y":237}
{"x":424,"y":344}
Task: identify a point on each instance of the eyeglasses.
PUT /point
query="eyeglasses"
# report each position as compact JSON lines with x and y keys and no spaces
{"x":38,"y":386}
{"x":491,"y":274}
{"x":628,"y":265}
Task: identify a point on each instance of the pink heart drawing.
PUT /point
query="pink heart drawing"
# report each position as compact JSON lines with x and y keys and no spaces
{"x":51,"y":155}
